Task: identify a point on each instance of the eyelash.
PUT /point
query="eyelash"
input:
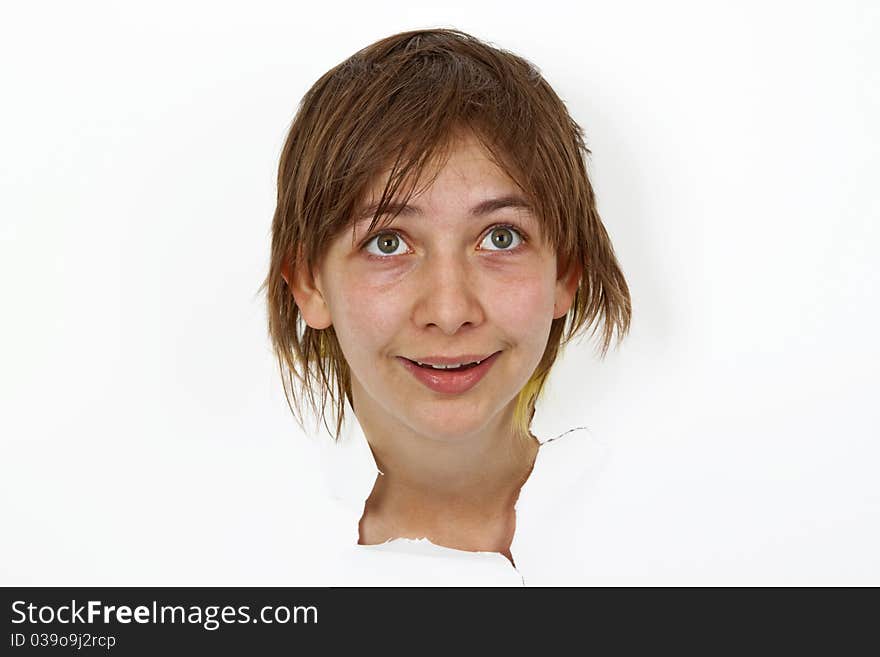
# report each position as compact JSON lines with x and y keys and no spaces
{"x":515,"y":229}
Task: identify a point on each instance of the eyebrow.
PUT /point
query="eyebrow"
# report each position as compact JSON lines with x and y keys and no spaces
{"x":480,"y":209}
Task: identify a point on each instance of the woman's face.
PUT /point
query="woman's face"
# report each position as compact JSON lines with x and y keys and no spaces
{"x":442,"y":280}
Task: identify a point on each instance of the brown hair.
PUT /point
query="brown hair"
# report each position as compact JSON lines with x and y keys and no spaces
{"x":399,"y":103}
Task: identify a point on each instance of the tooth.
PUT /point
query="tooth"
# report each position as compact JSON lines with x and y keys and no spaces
{"x":449,"y":367}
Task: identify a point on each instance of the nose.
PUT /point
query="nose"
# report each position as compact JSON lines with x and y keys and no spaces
{"x":450,"y":294}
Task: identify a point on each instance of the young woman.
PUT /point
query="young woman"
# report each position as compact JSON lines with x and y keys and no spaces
{"x":435,"y":243}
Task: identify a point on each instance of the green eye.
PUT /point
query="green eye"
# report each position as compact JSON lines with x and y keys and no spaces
{"x":387,"y":242}
{"x":502,"y":237}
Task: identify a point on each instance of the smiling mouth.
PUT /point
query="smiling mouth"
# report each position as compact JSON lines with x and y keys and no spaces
{"x":450,"y":381}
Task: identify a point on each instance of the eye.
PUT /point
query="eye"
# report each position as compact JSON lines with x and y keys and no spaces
{"x":501,"y":236}
{"x":388,"y":242}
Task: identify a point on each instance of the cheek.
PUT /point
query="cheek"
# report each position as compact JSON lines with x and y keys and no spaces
{"x":367,"y":315}
{"x":524,"y":308}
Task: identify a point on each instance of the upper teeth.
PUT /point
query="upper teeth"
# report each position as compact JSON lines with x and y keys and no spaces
{"x":448,"y":367}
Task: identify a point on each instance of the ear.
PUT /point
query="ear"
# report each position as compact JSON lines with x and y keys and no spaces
{"x":307,"y":292}
{"x":566,"y":287}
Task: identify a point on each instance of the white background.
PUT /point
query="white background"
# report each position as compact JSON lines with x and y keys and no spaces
{"x":145,"y":438}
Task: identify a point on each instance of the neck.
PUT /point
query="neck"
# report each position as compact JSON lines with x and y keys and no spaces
{"x":473,"y":478}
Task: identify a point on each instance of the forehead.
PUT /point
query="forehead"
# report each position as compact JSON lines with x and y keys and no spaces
{"x":466,"y":170}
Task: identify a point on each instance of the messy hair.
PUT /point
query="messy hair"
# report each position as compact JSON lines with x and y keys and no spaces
{"x":398,"y":104}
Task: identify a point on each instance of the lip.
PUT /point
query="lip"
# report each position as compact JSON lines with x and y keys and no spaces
{"x":453,"y":383}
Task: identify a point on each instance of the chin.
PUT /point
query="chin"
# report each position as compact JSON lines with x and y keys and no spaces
{"x":447,"y":420}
